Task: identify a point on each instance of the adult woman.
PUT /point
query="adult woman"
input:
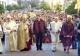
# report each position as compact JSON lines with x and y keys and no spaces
{"x":67,"y":33}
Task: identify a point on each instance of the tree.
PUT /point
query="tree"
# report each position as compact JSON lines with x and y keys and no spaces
{"x":15,"y":7}
{"x":58,"y":7}
{"x":9,"y":7}
{"x":79,"y":14}
{"x":1,"y":8}
{"x":70,"y":9}
{"x":21,"y":7}
{"x":44,"y":6}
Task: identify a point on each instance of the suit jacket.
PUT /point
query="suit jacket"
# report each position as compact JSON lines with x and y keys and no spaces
{"x":43,"y":26}
{"x":78,"y":33}
{"x":55,"y":26}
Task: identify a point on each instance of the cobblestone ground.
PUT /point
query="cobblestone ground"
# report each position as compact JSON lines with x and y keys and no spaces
{"x":46,"y":52}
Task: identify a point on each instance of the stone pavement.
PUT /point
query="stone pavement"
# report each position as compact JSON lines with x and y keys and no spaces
{"x":46,"y":52}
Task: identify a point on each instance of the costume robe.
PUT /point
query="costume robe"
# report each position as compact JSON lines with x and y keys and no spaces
{"x":30,"y":42}
{"x":10,"y":37}
{"x":67,"y":30}
{"x":55,"y":27}
{"x":23,"y":35}
{"x":1,"y":48}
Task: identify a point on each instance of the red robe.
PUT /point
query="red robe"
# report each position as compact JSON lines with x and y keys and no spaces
{"x":31,"y":38}
{"x":48,"y":38}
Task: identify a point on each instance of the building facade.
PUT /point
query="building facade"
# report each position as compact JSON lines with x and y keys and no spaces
{"x":3,"y":2}
{"x":8,"y":2}
{"x":51,"y":3}
{"x":64,"y":3}
{"x":11,"y":2}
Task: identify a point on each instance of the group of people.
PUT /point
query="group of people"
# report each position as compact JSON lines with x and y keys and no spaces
{"x":18,"y":36}
{"x":20,"y":33}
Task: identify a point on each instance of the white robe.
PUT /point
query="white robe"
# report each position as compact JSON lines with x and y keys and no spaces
{"x":55,"y":27}
{"x":1,"y":48}
{"x":12,"y":26}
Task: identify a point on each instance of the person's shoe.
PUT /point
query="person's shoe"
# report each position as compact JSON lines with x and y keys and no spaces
{"x":41,"y":49}
{"x":23,"y":49}
{"x":67,"y":51}
{"x":73,"y":48}
{"x":53,"y":50}
{"x":26,"y":49}
{"x":64,"y":50}
{"x":37,"y":49}
{"x":0,"y":52}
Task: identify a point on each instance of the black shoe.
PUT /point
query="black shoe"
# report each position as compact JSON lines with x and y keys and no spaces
{"x":26,"y":49}
{"x":73,"y":48}
{"x":23,"y":49}
{"x":41,"y":49}
{"x":53,"y":50}
{"x":64,"y":50}
{"x":37,"y":49}
{"x":0,"y":52}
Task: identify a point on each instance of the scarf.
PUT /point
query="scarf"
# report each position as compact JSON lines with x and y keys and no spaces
{"x":37,"y":26}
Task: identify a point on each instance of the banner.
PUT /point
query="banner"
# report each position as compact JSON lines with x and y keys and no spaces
{"x":78,"y":4}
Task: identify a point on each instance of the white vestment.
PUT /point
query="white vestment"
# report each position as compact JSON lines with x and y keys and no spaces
{"x":55,"y":27}
{"x":10,"y":37}
{"x":1,"y":48}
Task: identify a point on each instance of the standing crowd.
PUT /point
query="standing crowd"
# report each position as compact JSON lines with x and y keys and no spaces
{"x":18,"y":31}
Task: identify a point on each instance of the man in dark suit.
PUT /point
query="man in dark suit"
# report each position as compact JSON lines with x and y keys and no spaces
{"x":39,"y":31}
{"x":78,"y":38}
{"x":76,"y":22}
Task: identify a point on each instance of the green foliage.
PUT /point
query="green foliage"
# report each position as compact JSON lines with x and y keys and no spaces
{"x":44,"y":6}
{"x":9,"y":7}
{"x":58,"y":7}
{"x":1,"y":8}
{"x":17,"y":7}
{"x":70,"y":9}
{"x":79,"y":13}
{"x":14,"y":7}
{"x":21,"y":7}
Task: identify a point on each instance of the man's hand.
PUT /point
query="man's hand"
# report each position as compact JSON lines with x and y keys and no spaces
{"x":78,"y":31}
{"x":34,"y":36}
{"x":25,"y":29}
{"x":0,"y":31}
{"x":65,"y":36}
{"x":75,"y":28}
{"x":28,"y":39}
{"x":45,"y":35}
{"x":13,"y":30}
{"x":70,"y":36}
{"x":50,"y":28}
